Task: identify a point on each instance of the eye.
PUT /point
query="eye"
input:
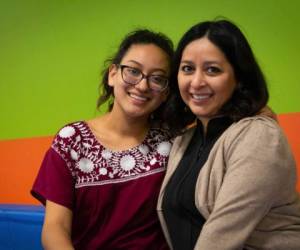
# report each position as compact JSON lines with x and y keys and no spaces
{"x":158,"y":79}
{"x":133,"y":71}
{"x":213,"y":70}
{"x":187,"y":68}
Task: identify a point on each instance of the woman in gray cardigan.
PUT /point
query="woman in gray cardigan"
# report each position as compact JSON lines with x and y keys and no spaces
{"x":230,"y":181}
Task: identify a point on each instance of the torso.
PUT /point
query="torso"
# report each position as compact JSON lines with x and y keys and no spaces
{"x":182,"y":217}
{"x":260,"y":137}
{"x":115,"y":192}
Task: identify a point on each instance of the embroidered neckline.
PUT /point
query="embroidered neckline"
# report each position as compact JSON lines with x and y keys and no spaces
{"x":92,"y":164}
{"x":91,"y":133}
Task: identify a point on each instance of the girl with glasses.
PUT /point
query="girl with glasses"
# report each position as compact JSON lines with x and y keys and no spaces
{"x":100,"y":179}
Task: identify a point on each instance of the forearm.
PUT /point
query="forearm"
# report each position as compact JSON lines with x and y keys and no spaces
{"x":55,"y":237}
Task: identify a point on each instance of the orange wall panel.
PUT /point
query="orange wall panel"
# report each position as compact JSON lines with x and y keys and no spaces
{"x":21,"y":159}
{"x":291,"y":126}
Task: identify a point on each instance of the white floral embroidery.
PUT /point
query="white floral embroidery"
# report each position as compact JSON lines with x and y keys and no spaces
{"x":103,"y":171}
{"x":127,"y":162}
{"x":87,"y":145}
{"x":91,"y":163}
{"x":144,"y":149}
{"x":106,"y":154}
{"x":74,"y":155}
{"x":153,"y":161}
{"x":86,"y":165}
{"x":66,"y":132}
{"x":164,"y":148}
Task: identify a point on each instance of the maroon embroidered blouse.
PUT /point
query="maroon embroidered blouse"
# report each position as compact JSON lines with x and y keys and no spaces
{"x":112,"y":194}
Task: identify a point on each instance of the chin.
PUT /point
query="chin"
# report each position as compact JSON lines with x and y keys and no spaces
{"x":199,"y":113}
{"x":137,"y":114}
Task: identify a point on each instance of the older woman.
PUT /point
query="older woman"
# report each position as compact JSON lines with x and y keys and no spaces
{"x":230,"y":181}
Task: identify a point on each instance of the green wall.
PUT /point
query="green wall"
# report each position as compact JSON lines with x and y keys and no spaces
{"x":51,"y":51}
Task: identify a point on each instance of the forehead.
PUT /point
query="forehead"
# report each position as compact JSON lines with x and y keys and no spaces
{"x":203,"y":48}
{"x":148,"y":55}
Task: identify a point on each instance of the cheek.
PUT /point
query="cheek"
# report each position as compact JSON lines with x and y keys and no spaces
{"x":159,"y":98}
{"x":227,"y":91}
{"x":182,"y":85}
{"x":184,"y":94}
{"x":184,"y":91}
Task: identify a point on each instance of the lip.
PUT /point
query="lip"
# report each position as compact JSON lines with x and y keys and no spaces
{"x":201,"y":98}
{"x":138,"y":98}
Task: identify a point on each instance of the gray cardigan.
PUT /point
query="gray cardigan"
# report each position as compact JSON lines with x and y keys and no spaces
{"x":245,"y":190}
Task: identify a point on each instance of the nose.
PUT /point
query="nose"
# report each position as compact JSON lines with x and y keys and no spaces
{"x":198,"y":80}
{"x":143,"y":85}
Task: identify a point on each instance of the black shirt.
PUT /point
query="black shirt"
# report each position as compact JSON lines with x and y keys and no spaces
{"x":183,"y":219}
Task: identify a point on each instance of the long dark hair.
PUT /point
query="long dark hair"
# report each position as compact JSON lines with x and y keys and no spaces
{"x":251,"y":93}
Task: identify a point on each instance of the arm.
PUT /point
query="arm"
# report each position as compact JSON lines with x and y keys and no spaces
{"x":259,"y":169}
{"x":56,"y":233}
{"x":54,"y":186}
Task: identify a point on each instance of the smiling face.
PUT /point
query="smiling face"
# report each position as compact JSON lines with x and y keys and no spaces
{"x":206,"y":79}
{"x":139,"y":101}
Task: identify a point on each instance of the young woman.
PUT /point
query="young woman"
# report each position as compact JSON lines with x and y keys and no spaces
{"x":100,"y":179}
{"x":230,"y":181}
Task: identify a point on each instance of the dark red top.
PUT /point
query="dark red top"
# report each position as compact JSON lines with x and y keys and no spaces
{"x":112,"y":194}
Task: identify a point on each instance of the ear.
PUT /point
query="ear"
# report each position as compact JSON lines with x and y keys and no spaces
{"x":112,"y":73}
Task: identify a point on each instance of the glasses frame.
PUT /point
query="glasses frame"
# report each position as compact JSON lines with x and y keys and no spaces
{"x":144,"y":76}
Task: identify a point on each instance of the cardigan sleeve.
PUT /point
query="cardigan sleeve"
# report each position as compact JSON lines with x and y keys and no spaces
{"x":259,"y":169}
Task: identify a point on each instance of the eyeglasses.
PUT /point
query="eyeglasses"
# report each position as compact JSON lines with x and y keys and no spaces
{"x":133,"y":76}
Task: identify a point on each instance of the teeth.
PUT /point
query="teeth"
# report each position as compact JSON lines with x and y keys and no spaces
{"x":200,"y":97}
{"x":140,"y":98}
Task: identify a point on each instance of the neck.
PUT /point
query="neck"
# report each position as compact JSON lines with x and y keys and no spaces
{"x":127,"y":126}
{"x":204,"y":122}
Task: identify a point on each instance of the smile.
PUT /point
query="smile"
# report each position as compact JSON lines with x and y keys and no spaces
{"x":201,"y":97}
{"x":138,"y":97}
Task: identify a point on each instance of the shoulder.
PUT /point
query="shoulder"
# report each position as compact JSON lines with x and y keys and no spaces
{"x":160,"y":134}
{"x":69,"y":136}
{"x":71,"y":131}
{"x":256,"y":121}
{"x":159,"y":140}
{"x":261,"y":140}
{"x":255,"y":128}
{"x":186,"y":136}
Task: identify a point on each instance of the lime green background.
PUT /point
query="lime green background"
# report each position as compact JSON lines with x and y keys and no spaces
{"x":52,"y":51}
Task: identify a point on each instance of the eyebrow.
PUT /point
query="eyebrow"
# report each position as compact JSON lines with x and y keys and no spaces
{"x":141,"y":65}
{"x":186,"y":61}
{"x":206,"y":62}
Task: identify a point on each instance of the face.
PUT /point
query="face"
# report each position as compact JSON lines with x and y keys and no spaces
{"x":206,"y":79}
{"x":139,"y":101}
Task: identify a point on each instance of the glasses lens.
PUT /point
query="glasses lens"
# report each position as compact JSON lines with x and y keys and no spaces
{"x":131,"y":75}
{"x":158,"y":82}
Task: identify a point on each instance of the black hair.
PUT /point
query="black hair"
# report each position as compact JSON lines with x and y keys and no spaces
{"x":251,"y":93}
